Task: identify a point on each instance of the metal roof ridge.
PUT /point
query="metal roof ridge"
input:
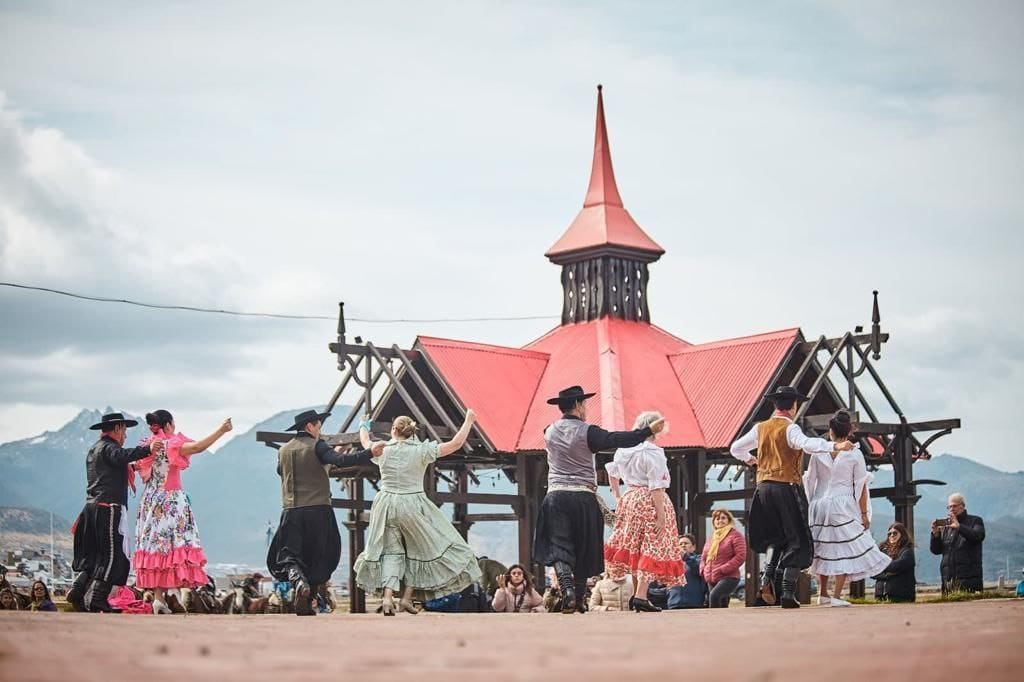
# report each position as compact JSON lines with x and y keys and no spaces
{"x":739,"y":341}
{"x":482,"y":347}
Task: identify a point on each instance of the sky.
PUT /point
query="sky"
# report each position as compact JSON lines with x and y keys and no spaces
{"x":415,"y":160}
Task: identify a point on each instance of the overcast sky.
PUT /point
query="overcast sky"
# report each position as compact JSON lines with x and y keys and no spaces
{"x":417,"y":159}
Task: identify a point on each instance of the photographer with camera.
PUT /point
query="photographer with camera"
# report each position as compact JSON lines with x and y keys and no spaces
{"x":958,"y":539}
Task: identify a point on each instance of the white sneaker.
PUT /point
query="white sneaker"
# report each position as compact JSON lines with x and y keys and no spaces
{"x":839,"y":602}
{"x":160,"y":607}
{"x":824,"y":601}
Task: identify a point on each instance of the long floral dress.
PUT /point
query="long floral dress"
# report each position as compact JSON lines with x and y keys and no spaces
{"x":167,"y":549}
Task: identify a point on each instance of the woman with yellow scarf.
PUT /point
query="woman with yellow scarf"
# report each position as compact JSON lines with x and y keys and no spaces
{"x":724,"y":553}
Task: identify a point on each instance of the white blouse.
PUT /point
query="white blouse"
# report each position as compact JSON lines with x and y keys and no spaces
{"x":641,"y":466}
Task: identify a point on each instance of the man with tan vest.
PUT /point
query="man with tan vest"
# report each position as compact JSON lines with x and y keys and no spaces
{"x":307,"y":546}
{"x":778,"y":513}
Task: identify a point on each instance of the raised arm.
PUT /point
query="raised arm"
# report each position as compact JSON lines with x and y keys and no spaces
{"x":598,"y":439}
{"x":453,"y":445}
{"x":364,"y":432}
{"x":812,"y":446}
{"x":327,"y":455}
{"x":118,"y":456}
{"x":197,"y":446}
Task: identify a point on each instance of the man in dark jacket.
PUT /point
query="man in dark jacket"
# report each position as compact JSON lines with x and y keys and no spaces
{"x":99,"y":532}
{"x":694,"y":594}
{"x":307,"y":546}
{"x":958,"y":539}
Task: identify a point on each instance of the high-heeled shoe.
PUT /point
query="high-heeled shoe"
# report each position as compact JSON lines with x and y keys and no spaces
{"x":160,"y":607}
{"x":640,"y":605}
{"x":407,"y":606}
{"x":388,"y":606}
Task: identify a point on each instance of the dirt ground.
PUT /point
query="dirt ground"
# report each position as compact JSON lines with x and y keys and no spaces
{"x":981,"y":641}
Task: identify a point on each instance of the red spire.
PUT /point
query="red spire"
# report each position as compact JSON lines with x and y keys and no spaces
{"x":602,"y":188}
{"x":603,"y":223}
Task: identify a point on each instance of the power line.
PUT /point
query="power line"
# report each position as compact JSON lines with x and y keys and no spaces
{"x":280,"y":316}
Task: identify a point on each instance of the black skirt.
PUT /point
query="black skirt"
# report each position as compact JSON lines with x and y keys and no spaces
{"x":570,"y":528}
{"x":99,"y":544}
{"x":307,"y":539}
{"x":778,"y":518}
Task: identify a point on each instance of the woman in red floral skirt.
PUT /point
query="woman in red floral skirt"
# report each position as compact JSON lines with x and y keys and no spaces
{"x":645,"y":540}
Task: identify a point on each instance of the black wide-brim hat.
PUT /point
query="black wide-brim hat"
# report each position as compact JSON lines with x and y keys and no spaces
{"x":113,"y":419}
{"x":307,"y":417}
{"x":786,"y":393}
{"x":570,"y":394}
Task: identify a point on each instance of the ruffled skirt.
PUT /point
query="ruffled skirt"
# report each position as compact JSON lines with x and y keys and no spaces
{"x":410,"y":542}
{"x":842,"y":546}
{"x":167,"y":549}
{"x":639,"y":545}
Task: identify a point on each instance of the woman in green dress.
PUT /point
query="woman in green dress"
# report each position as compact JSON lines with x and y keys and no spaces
{"x":409,"y":539}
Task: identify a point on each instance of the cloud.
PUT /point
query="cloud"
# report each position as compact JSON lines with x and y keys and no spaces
{"x":419,"y":162}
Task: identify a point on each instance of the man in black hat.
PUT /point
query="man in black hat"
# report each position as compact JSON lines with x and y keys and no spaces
{"x":778,"y":512}
{"x":307,"y":546}
{"x":570,"y":527}
{"x":101,"y":553}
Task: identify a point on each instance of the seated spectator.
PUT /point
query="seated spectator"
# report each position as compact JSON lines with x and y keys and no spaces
{"x":724,"y":553}
{"x":694,"y":594}
{"x":8,"y":602}
{"x":897,"y":582}
{"x":1020,"y":588}
{"x":958,"y":539}
{"x":611,"y":594}
{"x":41,"y":597}
{"x":516,"y":594}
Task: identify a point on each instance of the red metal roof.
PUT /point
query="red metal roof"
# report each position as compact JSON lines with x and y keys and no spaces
{"x":603,"y":220}
{"x":497,"y":382}
{"x":631,"y":366}
{"x":724,"y":380}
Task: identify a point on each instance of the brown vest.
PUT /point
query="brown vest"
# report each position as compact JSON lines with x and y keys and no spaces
{"x":304,"y":480}
{"x":776,"y":460}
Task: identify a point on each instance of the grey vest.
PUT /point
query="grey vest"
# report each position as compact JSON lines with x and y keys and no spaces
{"x":304,"y":480}
{"x":570,"y":461}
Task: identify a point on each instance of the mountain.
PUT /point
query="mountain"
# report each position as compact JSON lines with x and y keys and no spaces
{"x":235,"y":492}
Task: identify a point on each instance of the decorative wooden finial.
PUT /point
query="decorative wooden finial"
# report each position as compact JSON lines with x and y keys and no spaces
{"x":876,"y":329}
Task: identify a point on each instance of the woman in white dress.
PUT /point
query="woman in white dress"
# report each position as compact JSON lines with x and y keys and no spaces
{"x":840,"y":516}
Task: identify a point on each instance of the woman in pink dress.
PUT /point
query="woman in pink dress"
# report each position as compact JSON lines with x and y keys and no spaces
{"x":167,"y":550}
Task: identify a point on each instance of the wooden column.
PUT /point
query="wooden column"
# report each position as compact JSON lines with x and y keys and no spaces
{"x":696,"y":483}
{"x":461,"y":509}
{"x":356,"y":543}
{"x":752,"y":569}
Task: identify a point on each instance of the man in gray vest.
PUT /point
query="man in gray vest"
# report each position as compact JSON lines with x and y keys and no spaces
{"x":570,"y":527}
{"x":307,"y":546}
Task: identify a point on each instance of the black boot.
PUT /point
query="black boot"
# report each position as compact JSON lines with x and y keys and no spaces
{"x":768,"y":577}
{"x":567,"y":584}
{"x":790,"y":577}
{"x":581,"y":597}
{"x":302,"y":594}
{"x":76,"y":595}
{"x":97,"y":593}
{"x":643,"y":605}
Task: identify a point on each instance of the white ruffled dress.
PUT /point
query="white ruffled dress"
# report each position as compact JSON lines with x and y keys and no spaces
{"x":842,"y":546}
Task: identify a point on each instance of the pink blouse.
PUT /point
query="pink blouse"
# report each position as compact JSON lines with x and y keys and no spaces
{"x":176,"y":462}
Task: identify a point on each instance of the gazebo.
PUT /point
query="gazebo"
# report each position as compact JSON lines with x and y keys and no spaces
{"x":710,"y":392}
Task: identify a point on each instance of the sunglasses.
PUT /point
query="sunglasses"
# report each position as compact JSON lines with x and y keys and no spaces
{"x":893,"y":533}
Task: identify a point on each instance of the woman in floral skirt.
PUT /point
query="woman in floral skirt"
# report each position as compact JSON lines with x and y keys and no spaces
{"x":644,"y":542}
{"x":167,"y":550}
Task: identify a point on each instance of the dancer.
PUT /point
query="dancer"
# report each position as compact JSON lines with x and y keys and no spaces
{"x":570,"y":533}
{"x":644,"y":542}
{"x":840,"y":515}
{"x":101,"y":545}
{"x":168,"y":554}
{"x":307,"y":546}
{"x":409,"y":540}
{"x":778,"y":512}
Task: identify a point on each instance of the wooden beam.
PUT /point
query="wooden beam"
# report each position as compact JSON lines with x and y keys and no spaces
{"x":406,"y":396}
{"x":455,"y":399}
{"x":361,"y":403}
{"x":822,"y":378}
{"x":832,"y":343}
{"x":478,"y":498}
{"x":708,"y":498}
{"x":476,"y":518}
{"x":356,"y":349}
{"x":345,"y":503}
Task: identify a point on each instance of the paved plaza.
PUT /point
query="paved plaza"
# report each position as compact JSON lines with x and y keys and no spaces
{"x":982,"y":641}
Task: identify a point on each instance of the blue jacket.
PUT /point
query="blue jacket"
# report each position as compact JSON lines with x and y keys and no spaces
{"x":694,"y":593}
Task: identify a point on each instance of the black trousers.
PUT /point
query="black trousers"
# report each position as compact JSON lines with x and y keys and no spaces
{"x":570,"y":528}
{"x":778,"y":518}
{"x":721,"y":592}
{"x":308,"y":540}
